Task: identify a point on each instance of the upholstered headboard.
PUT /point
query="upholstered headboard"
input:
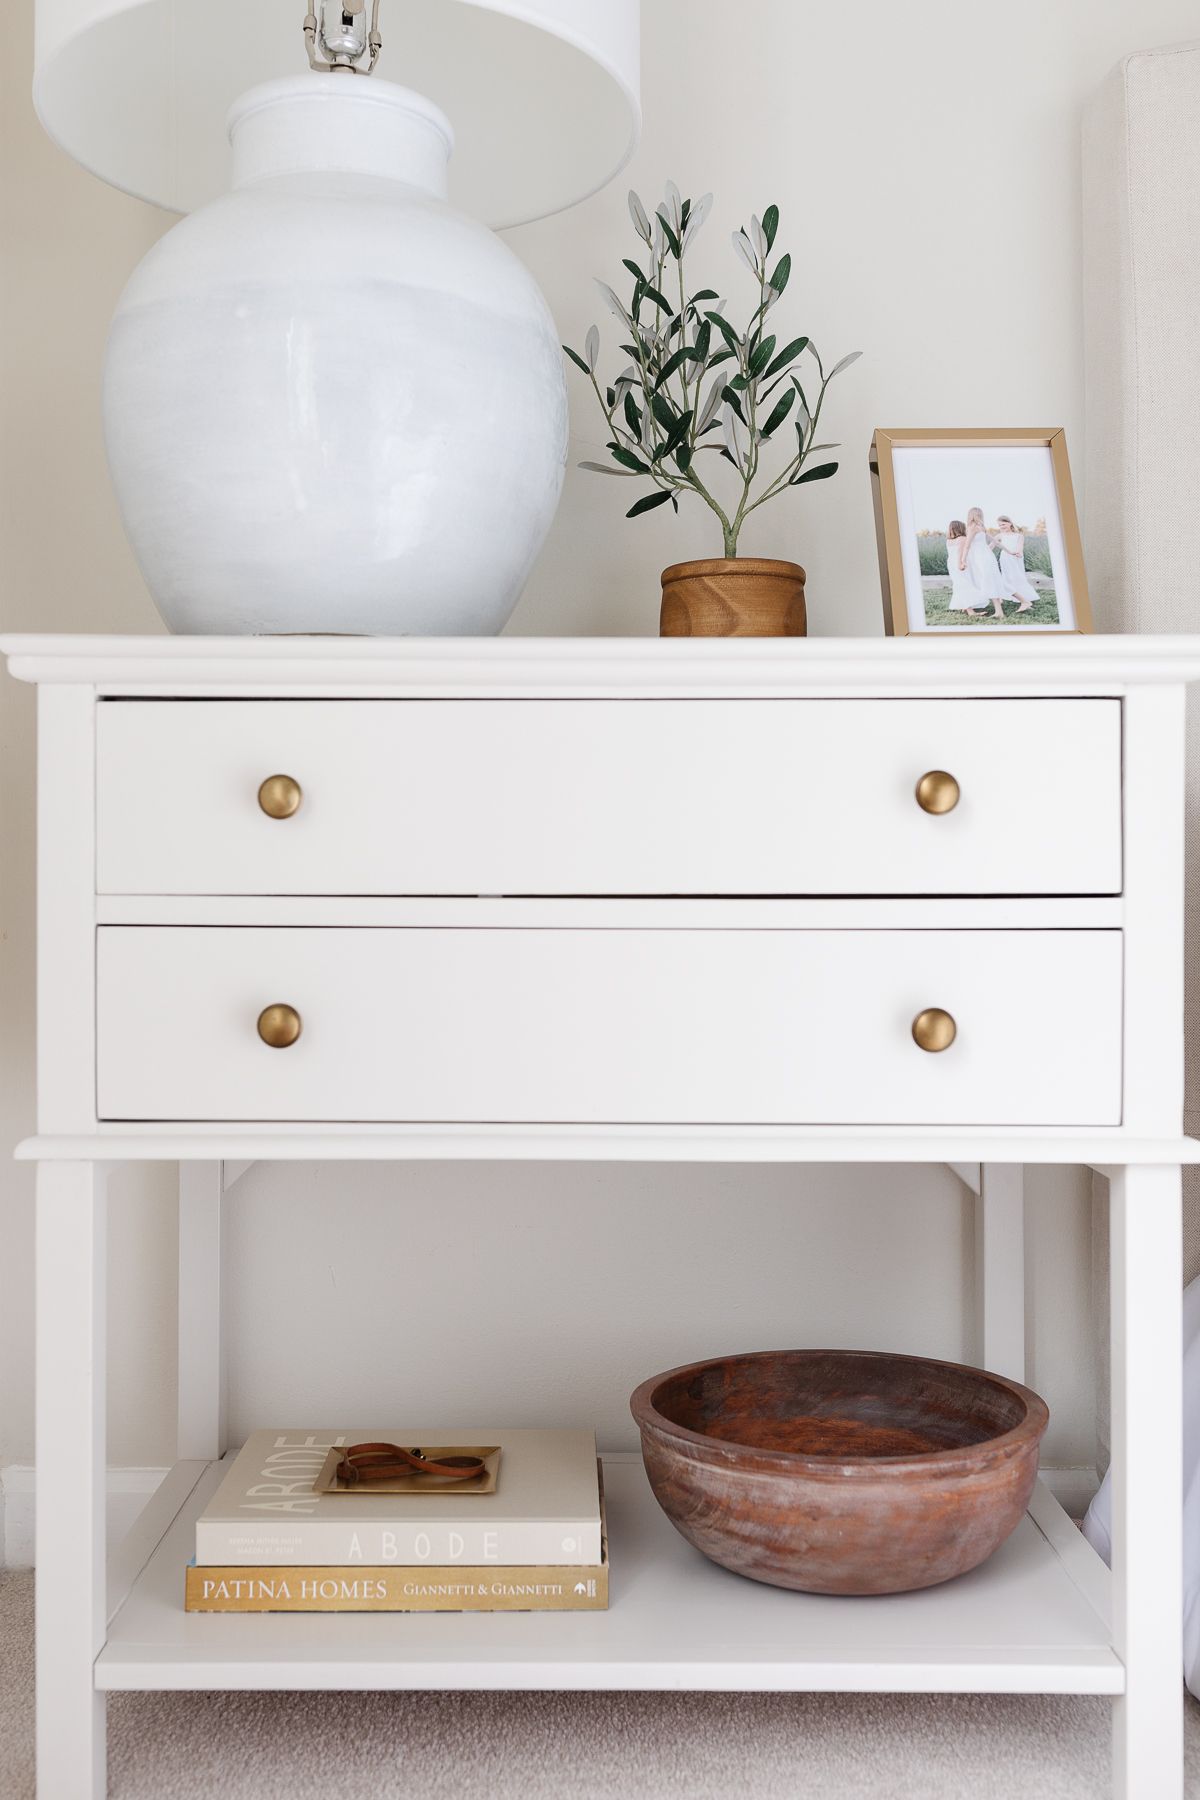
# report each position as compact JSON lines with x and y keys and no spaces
{"x":1141,"y":302}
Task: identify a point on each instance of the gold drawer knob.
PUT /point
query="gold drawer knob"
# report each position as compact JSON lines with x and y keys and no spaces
{"x":279,"y":1026}
{"x":937,"y":792}
{"x":280,"y":796}
{"x":934,"y":1029}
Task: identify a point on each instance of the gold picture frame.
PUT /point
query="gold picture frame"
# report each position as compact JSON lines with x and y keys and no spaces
{"x":912,"y":604}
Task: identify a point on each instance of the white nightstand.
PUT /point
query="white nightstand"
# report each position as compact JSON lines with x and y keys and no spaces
{"x":611,"y":899}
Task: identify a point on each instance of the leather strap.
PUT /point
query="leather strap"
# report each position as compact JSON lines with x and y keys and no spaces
{"x":362,"y":1463}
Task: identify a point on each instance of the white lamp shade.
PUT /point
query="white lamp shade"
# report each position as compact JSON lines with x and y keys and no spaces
{"x":543,"y":95}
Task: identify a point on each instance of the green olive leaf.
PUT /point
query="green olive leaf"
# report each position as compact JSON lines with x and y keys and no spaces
{"x":628,"y":460}
{"x":762,"y":357}
{"x":786,"y":355}
{"x":779,"y":413}
{"x":648,"y":503}
{"x":821,"y":472}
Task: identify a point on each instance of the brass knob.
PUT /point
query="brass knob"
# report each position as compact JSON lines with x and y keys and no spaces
{"x":934,"y":1029}
{"x":937,"y":792}
{"x":279,"y":1026}
{"x":280,"y":796}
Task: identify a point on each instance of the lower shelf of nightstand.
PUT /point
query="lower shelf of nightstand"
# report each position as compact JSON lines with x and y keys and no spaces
{"x":1031,"y":1620}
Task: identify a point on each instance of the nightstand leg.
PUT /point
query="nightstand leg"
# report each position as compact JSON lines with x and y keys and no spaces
{"x":201,"y":1385}
{"x":1000,"y":1268}
{"x":1147,"y":1424}
{"x":71,"y":1613}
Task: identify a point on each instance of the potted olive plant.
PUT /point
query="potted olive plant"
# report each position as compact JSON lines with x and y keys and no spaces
{"x":695,"y":386}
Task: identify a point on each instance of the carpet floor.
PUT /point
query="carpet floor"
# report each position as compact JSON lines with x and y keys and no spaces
{"x":573,"y":1746}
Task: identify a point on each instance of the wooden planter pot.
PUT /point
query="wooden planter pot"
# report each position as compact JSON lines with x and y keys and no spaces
{"x":744,"y":596}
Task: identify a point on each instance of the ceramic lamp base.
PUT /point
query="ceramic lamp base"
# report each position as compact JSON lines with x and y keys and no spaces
{"x":333,"y":404}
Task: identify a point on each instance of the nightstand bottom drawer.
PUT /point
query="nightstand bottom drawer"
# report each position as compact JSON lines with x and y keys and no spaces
{"x":598,"y":1026}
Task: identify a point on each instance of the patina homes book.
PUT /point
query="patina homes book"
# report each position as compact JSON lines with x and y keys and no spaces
{"x":545,"y":1510}
{"x":422,"y":1588}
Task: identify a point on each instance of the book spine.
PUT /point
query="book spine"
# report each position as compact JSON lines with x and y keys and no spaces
{"x":542,"y":1543}
{"x":321,"y":1588}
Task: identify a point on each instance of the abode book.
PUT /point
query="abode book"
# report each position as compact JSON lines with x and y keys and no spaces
{"x":544,"y":1513}
{"x":451,"y":1588}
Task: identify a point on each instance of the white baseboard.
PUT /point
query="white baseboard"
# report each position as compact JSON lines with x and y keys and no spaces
{"x":129,"y":1489}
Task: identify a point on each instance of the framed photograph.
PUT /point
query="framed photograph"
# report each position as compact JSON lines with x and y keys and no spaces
{"x":978,"y":533}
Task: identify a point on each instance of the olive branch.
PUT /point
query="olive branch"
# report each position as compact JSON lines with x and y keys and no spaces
{"x":696,"y":386}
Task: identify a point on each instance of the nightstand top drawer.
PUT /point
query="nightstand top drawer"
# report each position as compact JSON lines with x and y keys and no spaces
{"x":609,"y":797}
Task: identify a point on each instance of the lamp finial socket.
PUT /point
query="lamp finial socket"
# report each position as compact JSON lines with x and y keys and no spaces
{"x":337,"y":36}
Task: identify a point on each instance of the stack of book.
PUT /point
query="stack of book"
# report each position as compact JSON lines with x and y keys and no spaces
{"x":273,"y":1538}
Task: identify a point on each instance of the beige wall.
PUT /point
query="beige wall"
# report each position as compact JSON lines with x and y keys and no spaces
{"x":870,"y":125}
{"x":66,"y":246}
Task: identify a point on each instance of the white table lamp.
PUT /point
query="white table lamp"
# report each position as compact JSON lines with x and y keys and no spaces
{"x":333,"y":400}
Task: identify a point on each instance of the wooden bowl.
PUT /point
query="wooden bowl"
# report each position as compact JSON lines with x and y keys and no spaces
{"x":840,"y":1471}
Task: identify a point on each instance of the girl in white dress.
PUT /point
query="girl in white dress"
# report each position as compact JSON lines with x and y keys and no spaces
{"x":964,"y":595}
{"x":977,"y":557}
{"x":1017,"y":584}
